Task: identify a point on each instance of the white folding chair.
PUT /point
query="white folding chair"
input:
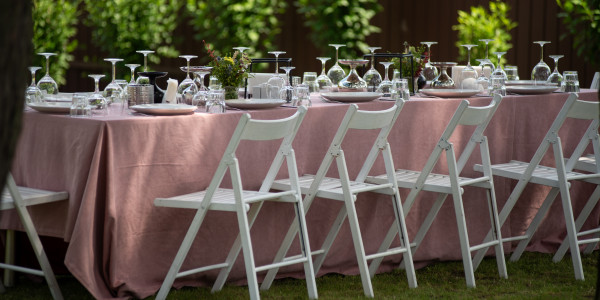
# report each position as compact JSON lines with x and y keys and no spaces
{"x":246,"y":204}
{"x":595,"y":81}
{"x":452,"y":184}
{"x":19,"y":198}
{"x":587,"y":163}
{"x":558,"y":178}
{"x":346,"y":190}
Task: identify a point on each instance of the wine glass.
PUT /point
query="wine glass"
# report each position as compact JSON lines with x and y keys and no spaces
{"x":429,"y":71}
{"x":386,"y":85}
{"x":241,"y":49}
{"x":468,"y":74}
{"x":47,"y":83}
{"x":499,"y":70}
{"x":541,"y":71}
{"x":132,"y":67}
{"x":443,"y":81}
{"x":555,"y":77}
{"x":33,"y":94}
{"x":488,"y":62}
{"x":372,"y":76}
{"x":187,"y":88}
{"x":353,"y":82}
{"x":112,"y":92}
{"x":275,"y":82}
{"x":99,"y":106}
{"x":199,"y":73}
{"x":144,"y":79}
{"x":336,"y":73}
{"x":483,"y":81}
{"x":323,"y":80}
{"x":287,"y":91}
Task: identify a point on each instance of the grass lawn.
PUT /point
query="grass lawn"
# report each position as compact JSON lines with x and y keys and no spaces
{"x":534,"y":276}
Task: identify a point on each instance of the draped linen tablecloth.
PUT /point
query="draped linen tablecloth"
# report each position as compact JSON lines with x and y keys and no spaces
{"x":120,"y":245}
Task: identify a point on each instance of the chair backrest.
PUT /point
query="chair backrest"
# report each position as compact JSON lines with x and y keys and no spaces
{"x":595,"y":81}
{"x":259,"y":130}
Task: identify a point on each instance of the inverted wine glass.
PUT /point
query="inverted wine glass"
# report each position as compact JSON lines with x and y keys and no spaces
{"x":276,"y":82}
{"x":47,"y":83}
{"x":468,"y":74}
{"x":112,"y":92}
{"x":443,"y":81}
{"x":144,"y":79}
{"x":241,"y":49}
{"x":199,"y":73}
{"x":323,"y":80}
{"x":336,"y":73}
{"x":541,"y":71}
{"x":488,"y":62}
{"x":353,"y":82}
{"x":187,"y":88}
{"x":132,"y":67}
{"x":372,"y":76}
{"x":499,"y":70}
{"x":483,"y":81}
{"x":555,"y":77}
{"x":429,"y":71}
{"x":33,"y":94}
{"x":97,"y":102}
{"x":385,"y":86}
{"x":287,"y":91}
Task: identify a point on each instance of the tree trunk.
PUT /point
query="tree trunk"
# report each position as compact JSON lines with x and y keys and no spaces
{"x":16,"y":30}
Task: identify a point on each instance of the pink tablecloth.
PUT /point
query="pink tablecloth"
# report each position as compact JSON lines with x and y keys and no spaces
{"x":120,"y":245}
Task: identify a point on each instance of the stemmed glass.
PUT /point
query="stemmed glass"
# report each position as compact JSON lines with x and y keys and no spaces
{"x":353,"y":82}
{"x":47,"y":83}
{"x":241,"y":49}
{"x":555,"y":77}
{"x":287,"y":91}
{"x":468,"y":75}
{"x":187,"y":88}
{"x":96,"y":100}
{"x":33,"y":94}
{"x":429,"y":71}
{"x":488,"y":62}
{"x":112,"y":92}
{"x":499,"y":70}
{"x":323,"y":80}
{"x":336,"y":73}
{"x":386,"y":85}
{"x":132,"y":67}
{"x":541,"y":71}
{"x":372,"y":76}
{"x":276,"y":80}
{"x":199,"y":73}
{"x":483,"y":81}
{"x":144,"y":79}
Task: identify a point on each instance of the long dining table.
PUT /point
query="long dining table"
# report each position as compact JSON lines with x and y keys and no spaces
{"x":120,"y":245}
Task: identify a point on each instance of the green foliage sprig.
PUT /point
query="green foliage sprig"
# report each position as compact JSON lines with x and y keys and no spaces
{"x":420,"y":58}
{"x":335,"y":21}
{"x":231,"y":70}
{"x":54,"y":27}
{"x":483,"y":24}
{"x":582,"y":20}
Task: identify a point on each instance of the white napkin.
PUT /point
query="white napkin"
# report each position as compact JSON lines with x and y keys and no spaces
{"x":171,"y":93}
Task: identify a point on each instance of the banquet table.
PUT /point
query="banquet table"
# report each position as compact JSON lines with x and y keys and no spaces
{"x":120,"y":245}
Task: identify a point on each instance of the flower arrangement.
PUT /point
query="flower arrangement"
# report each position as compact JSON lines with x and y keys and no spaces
{"x":231,"y":70}
{"x":420,"y":58}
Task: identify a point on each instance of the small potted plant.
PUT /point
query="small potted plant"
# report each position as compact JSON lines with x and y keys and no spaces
{"x":414,"y":71}
{"x":230,"y":70}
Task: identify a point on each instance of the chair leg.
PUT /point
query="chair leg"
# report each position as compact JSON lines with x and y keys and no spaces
{"x":572,"y":234}
{"x":309,"y":272}
{"x":464,"y":239}
{"x":248,"y":254}
{"x":495,"y":225}
{"x":407,"y":260}
{"x":9,"y":258}
{"x":359,"y":248}
{"x":583,"y":215}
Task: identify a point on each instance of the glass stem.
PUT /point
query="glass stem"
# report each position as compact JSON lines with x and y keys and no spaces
{"x":202,"y":81}
{"x":113,"y":71}
{"x":336,"y":56}
{"x":323,"y":68}
{"x":47,"y":66}
{"x":132,"y":75}
{"x":32,"y":78}
{"x":387,"y":67}
{"x":469,"y":57}
{"x":541,"y":52}
{"x":145,"y":63}
{"x":96,"y":81}
{"x":277,"y":64}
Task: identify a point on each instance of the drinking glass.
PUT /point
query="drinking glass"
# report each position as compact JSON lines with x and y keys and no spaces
{"x":386,"y":85}
{"x":287,"y":91}
{"x":215,"y":103}
{"x":301,"y":96}
{"x":323,"y":80}
{"x":555,"y":77}
{"x":336,"y":73}
{"x":400,"y":89}
{"x":47,"y":83}
{"x":275,"y":82}
{"x":497,"y":85}
{"x":200,"y":97}
{"x":483,"y":81}
{"x":541,"y":71}
{"x":488,"y":62}
{"x":443,"y":81}
{"x":499,"y":70}
{"x":353,"y":82}
{"x":124,"y":94}
{"x":144,"y":79}
{"x":512,"y":72}
{"x":310,"y":79}
{"x":214,"y":83}
{"x":187,"y":88}
{"x":80,"y":107}
{"x":372,"y":76}
{"x":132,"y":67}
{"x":570,"y":83}
{"x":429,"y":71}
{"x":97,"y":102}
{"x":468,"y":74}
{"x":241,"y":49}
{"x":33,"y":94}
{"x":112,"y":92}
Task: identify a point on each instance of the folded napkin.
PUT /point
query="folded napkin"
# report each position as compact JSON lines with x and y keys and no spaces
{"x":171,"y":93}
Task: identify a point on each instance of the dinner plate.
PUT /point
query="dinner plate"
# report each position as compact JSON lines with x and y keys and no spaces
{"x":164,"y":109}
{"x":254,"y":103}
{"x":352,"y":96}
{"x":531,"y":89}
{"x":450,"y":93}
{"x":528,"y":82}
{"x":52,"y":107}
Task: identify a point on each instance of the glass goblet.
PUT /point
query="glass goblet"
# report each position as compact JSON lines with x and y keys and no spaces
{"x":112,"y":92}
{"x":499,"y":70}
{"x":199,"y":73}
{"x":323,"y":80}
{"x":541,"y":71}
{"x":555,"y":77}
{"x":372,"y":76}
{"x":145,"y":54}
{"x":336,"y":73}
{"x":468,"y":74}
{"x":47,"y":84}
{"x":275,"y":82}
{"x":287,"y":91}
{"x":483,"y":80}
{"x":353,"y":82}
{"x":33,"y":94}
{"x":132,"y":67}
{"x":187,"y":88}
{"x":429,"y":71}
{"x":488,"y":62}
{"x":241,"y":49}
{"x":386,"y":85}
{"x":97,"y":102}
{"x":443,"y":81}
